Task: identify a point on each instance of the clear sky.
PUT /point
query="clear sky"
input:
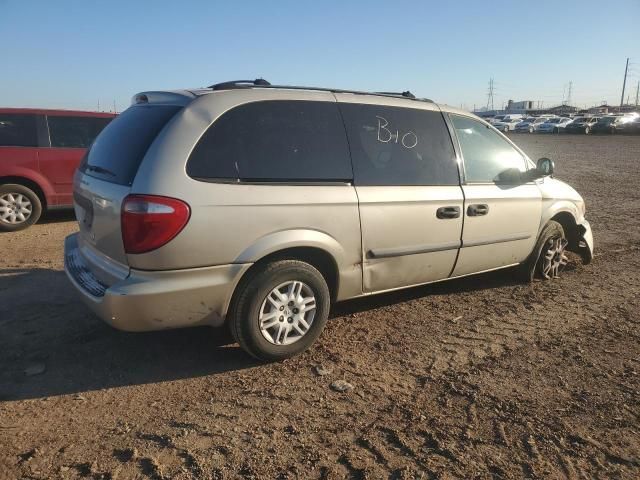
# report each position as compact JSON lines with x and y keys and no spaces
{"x":74,"y":54}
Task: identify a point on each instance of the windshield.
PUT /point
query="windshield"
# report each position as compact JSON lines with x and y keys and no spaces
{"x":553,"y":120}
{"x":606,"y":120}
{"x":579,"y":120}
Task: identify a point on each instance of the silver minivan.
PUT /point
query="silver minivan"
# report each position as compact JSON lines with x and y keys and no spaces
{"x":258,"y":206}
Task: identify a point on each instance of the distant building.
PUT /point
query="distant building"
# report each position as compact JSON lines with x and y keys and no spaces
{"x":520,"y":107}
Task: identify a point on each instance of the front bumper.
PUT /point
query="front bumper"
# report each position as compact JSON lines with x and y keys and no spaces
{"x":154,"y":300}
{"x":585,"y":242}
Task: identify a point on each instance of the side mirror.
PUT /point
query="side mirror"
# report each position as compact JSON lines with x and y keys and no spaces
{"x":545,"y":167}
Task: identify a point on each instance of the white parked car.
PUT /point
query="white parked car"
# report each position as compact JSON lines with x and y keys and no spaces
{"x":530,"y":124}
{"x":554,"y":125}
{"x":496,"y":119}
{"x":507,"y":125}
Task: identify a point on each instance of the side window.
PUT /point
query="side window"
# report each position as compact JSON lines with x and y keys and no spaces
{"x":487,"y":156}
{"x":274,"y":140}
{"x":18,"y":130}
{"x":74,"y":132}
{"x":399,"y":146}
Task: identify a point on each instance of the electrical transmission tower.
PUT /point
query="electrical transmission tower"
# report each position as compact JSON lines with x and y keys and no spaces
{"x":490,"y":96}
{"x":624,"y":83}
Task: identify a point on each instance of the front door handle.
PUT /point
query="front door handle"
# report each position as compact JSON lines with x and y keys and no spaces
{"x":477,"y":210}
{"x":448,"y":212}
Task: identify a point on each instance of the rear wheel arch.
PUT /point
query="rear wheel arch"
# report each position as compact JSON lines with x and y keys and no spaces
{"x":317,"y":257}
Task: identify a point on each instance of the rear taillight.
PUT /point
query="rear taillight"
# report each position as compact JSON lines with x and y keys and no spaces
{"x":149,"y":221}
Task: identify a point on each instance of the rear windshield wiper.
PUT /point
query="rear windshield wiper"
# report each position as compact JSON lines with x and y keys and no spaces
{"x":97,"y":169}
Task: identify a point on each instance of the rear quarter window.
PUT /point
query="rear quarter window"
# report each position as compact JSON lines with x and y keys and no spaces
{"x":117,"y":152}
{"x":18,"y":130}
{"x":399,"y":146}
{"x":274,"y":141}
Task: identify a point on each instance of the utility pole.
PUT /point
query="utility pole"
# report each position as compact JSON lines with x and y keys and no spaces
{"x":114,"y":106}
{"x":490,"y":96}
{"x":98,"y":105}
{"x":569,"y":94}
{"x":637,"y":91}
{"x":624,"y":83}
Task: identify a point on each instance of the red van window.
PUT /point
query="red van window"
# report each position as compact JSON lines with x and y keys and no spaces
{"x":18,"y":130}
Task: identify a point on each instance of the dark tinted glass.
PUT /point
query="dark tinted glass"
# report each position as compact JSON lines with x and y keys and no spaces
{"x":117,"y":152}
{"x":74,"y":132}
{"x":274,"y":140}
{"x":18,"y":131}
{"x":399,"y":146}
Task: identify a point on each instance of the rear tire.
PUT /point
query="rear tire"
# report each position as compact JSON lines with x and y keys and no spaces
{"x":534,"y":265}
{"x":530,"y":129}
{"x":268,"y":315}
{"x":20,"y":207}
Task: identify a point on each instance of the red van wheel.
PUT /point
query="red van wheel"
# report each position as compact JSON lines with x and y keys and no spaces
{"x":20,"y":207}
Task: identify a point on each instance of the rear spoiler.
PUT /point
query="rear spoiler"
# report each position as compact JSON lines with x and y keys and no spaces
{"x":178,"y":97}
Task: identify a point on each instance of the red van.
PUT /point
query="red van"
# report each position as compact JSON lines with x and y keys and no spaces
{"x":39,"y":152}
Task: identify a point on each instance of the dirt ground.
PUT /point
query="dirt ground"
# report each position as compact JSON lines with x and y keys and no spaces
{"x":476,"y":378}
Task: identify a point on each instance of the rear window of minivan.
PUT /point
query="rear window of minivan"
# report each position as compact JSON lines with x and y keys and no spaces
{"x":117,"y":152}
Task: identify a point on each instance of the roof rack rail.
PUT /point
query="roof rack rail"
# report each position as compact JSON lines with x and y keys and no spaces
{"x":262,"y":83}
{"x":406,"y":94}
{"x":258,"y":82}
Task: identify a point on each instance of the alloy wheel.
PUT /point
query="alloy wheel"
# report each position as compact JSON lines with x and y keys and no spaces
{"x":287,"y":313}
{"x":555,"y":258}
{"x":15,"y":208}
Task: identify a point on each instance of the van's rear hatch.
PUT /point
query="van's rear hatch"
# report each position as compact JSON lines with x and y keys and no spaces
{"x":104,"y":179}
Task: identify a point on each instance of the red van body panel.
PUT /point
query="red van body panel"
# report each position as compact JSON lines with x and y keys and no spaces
{"x":50,"y":168}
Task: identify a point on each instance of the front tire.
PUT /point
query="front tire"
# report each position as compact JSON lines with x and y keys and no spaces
{"x":587,"y":130}
{"x":555,"y":130}
{"x":279,"y":310}
{"x":530,"y":129}
{"x":548,"y":257}
{"x":20,"y":207}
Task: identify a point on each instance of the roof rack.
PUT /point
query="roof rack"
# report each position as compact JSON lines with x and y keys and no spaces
{"x":262,"y":83}
{"x":406,"y":94}
{"x":258,"y":82}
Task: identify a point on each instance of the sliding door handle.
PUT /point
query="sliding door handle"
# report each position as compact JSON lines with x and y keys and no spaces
{"x":448,"y":212}
{"x":477,"y":210}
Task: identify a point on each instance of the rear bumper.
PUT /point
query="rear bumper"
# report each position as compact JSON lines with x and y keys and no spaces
{"x":155,"y":300}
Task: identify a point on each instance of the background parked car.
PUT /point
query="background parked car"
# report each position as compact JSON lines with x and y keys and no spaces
{"x":581,"y":125}
{"x":507,"y":124}
{"x":530,"y":124}
{"x":611,"y":124}
{"x":39,"y":152}
{"x":631,"y":127}
{"x":554,"y":125}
